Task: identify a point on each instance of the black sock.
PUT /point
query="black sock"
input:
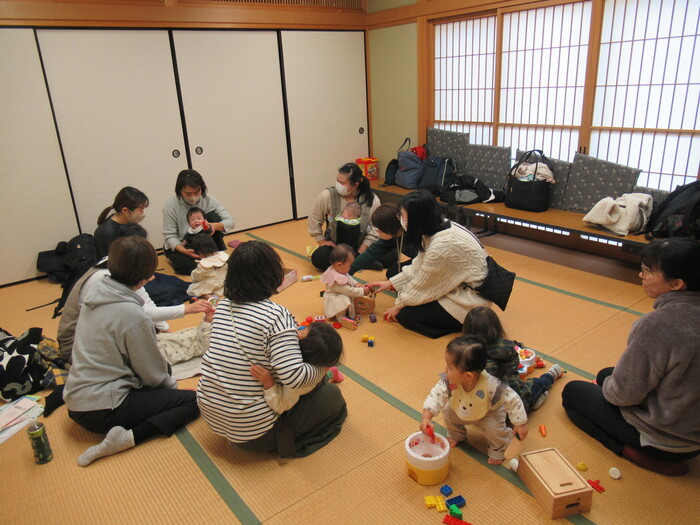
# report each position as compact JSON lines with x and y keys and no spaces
{"x":53,"y":400}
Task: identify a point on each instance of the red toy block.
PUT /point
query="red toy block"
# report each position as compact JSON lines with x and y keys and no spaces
{"x":596,"y":485}
{"x":451,"y":520}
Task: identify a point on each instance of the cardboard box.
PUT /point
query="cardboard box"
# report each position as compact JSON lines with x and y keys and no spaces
{"x":290,"y":277}
{"x":555,"y":483}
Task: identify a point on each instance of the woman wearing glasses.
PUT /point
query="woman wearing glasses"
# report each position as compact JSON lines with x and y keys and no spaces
{"x":646,"y":407}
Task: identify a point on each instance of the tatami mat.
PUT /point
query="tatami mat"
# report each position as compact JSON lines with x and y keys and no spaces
{"x":573,"y":315}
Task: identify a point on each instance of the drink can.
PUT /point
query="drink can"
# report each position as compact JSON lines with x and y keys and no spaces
{"x":40,"y":442}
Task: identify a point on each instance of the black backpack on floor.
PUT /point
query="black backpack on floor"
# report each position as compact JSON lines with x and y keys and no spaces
{"x":67,"y":263}
{"x":678,"y":215}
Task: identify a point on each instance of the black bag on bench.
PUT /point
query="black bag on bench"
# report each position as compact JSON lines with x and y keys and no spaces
{"x":531,"y":195}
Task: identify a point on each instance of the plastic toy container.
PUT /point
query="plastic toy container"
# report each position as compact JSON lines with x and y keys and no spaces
{"x":368,"y":166}
{"x":527,"y":359}
{"x":427,"y":459}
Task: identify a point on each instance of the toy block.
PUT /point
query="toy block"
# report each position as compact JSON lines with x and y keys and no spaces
{"x":370,"y":343}
{"x":320,"y":319}
{"x":348,"y":323}
{"x":455,"y":512}
{"x":451,"y":520}
{"x":555,"y":483}
{"x":440,"y":504}
{"x":365,"y":338}
{"x":457,"y":500}
{"x":430,"y":502}
{"x":372,"y":318}
{"x":446,"y":490}
{"x":596,"y":485}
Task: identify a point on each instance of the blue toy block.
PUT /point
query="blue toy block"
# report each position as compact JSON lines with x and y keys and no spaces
{"x":446,"y":490}
{"x":457,"y":500}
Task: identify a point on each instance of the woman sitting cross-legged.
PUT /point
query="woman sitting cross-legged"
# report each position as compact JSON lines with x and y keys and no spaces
{"x":249,"y":329}
{"x":646,"y":407}
{"x":119,"y":383}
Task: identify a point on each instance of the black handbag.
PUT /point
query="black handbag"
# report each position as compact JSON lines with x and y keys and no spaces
{"x":498,"y":284}
{"x":528,"y":195}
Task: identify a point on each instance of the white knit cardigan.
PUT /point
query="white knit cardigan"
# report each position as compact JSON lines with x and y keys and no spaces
{"x":451,"y":257}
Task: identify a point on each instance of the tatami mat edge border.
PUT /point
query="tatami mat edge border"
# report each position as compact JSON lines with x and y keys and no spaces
{"x":217,"y":479}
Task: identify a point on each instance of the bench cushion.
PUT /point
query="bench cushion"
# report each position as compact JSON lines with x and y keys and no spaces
{"x":490,"y":164}
{"x":656,"y":194}
{"x":593,"y":179}
{"x":443,"y":143}
{"x":562,"y":170}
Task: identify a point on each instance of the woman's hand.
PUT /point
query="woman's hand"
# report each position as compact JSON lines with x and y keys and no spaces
{"x":326,"y":242}
{"x":214,"y":227}
{"x":391,"y":313}
{"x":186,"y":251}
{"x":379,"y":286}
{"x":199,"y":306}
{"x":520,"y":431}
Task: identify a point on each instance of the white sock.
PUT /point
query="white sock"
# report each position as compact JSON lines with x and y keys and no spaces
{"x":556,"y":371}
{"x":117,"y":440}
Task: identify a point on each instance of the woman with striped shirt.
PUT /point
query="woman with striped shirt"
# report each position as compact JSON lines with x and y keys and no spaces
{"x":249,"y":329}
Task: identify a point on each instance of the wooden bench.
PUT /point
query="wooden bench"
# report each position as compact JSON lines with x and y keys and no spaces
{"x":558,"y":227}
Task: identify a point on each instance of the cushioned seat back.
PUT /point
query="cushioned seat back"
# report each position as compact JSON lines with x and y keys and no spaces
{"x":593,"y":179}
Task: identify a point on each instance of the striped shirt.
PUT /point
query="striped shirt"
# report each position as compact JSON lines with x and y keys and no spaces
{"x":230,"y":399}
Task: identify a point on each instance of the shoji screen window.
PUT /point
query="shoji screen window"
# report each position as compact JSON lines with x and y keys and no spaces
{"x":465,"y":54}
{"x":648,"y":90}
{"x":543,"y":71}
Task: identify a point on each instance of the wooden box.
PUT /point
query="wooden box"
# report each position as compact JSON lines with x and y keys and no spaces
{"x":555,"y":483}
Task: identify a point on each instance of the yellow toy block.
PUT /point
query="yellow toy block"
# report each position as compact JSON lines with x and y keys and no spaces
{"x":430,"y":502}
{"x":440,"y":504}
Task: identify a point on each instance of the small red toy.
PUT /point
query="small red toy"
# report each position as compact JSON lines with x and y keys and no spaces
{"x":539,"y":363}
{"x":309,"y":319}
{"x":429,"y":430}
{"x":205,"y":226}
{"x":596,"y":485}
{"x":543,"y":430}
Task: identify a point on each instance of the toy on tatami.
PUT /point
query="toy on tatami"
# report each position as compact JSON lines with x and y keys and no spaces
{"x":341,"y":288}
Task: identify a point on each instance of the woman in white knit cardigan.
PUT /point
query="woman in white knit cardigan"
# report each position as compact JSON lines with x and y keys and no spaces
{"x":434,"y":292}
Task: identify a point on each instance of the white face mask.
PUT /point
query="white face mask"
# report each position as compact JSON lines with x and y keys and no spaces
{"x":136,"y":217}
{"x":343,"y":191}
{"x":404,"y":224}
{"x":192,"y":201}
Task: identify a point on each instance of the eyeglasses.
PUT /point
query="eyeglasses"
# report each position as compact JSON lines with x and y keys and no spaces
{"x":645,"y":269}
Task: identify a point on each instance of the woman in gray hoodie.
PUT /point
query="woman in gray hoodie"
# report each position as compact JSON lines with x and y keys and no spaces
{"x":645,"y":409}
{"x":119,"y":383}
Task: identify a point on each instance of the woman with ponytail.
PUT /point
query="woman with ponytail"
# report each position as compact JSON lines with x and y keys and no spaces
{"x":128,"y":209}
{"x":350,"y":186}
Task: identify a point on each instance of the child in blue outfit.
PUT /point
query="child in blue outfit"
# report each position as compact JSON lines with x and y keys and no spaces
{"x":468,"y":395}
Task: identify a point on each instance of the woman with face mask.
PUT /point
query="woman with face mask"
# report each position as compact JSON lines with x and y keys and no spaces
{"x":435,"y":290}
{"x":190,"y":190}
{"x":129,"y":209}
{"x":350,"y":186}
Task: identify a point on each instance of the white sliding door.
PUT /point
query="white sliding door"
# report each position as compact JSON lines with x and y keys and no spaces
{"x":37,"y":211}
{"x":118,"y":116}
{"x":327,"y":100}
{"x":232,"y":97}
